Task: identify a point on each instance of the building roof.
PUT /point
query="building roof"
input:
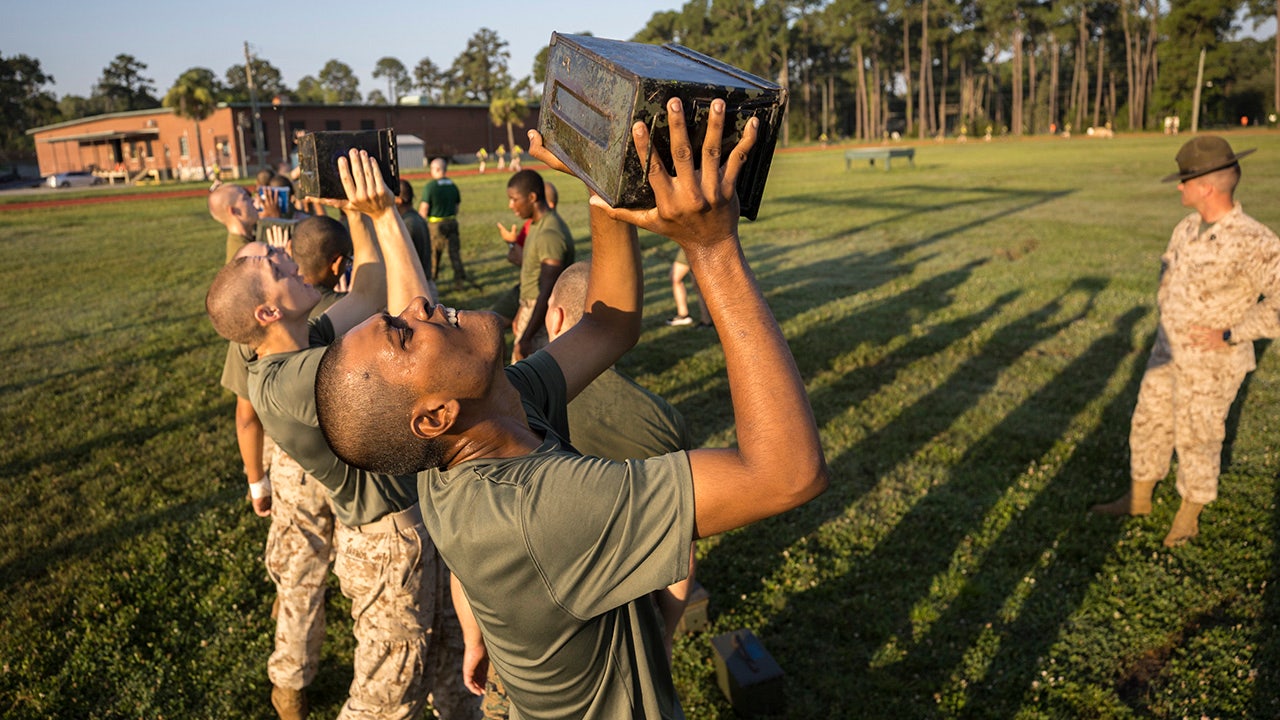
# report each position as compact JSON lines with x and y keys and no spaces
{"x":104,"y":116}
{"x":106,"y":135}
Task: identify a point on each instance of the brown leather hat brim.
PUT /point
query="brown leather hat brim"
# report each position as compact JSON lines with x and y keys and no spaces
{"x":1183,"y":176}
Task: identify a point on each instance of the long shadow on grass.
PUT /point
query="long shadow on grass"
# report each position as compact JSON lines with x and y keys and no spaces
{"x":161,"y":358}
{"x":96,"y":335}
{"x":968,"y":199}
{"x":31,"y":565}
{"x":1053,"y":547}
{"x":827,"y":281}
{"x":931,"y":532}
{"x":60,"y":458}
{"x":1266,"y":696}
{"x":856,"y":470}
{"x":904,"y":661}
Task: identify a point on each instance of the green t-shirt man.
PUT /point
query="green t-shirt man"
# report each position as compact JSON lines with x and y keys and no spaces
{"x":282,"y":391}
{"x":617,"y":419}
{"x":557,"y":554}
{"x":548,"y":239}
{"x":443,"y":197}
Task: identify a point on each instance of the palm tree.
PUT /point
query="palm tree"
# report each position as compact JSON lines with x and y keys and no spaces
{"x":507,"y":108}
{"x":191,"y":97}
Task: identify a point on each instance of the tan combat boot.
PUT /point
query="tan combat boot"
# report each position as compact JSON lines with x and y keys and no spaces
{"x":290,"y":704}
{"x":1186,"y":524}
{"x":1135,"y":502}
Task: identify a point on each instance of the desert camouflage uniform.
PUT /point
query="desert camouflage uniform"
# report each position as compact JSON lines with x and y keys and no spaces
{"x":495,"y":706}
{"x":299,"y":550}
{"x":1210,"y":277}
{"x":408,"y":640}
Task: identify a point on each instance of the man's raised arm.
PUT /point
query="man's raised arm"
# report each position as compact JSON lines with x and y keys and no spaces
{"x":610,"y":322}
{"x":366,"y":195}
{"x":779,"y":462}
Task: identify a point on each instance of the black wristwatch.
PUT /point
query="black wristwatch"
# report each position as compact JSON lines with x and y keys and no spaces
{"x":1226,"y":336}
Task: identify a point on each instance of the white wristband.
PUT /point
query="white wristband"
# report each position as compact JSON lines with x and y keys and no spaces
{"x":260,"y":489}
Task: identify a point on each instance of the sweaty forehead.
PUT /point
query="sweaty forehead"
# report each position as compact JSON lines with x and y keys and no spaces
{"x":364,"y":338}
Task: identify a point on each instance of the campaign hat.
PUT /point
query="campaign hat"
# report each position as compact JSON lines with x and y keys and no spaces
{"x":1202,"y":155}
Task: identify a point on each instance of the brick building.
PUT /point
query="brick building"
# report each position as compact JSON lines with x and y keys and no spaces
{"x":132,"y":145}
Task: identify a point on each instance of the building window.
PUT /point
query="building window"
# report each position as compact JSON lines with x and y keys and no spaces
{"x":367,"y":125}
{"x":332,"y":125}
{"x":184,"y":146}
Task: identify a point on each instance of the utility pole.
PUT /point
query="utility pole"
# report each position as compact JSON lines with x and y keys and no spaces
{"x":1195,"y":108}
{"x":260,"y":142}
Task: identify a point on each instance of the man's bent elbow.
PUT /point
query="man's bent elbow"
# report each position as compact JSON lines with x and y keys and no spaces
{"x":815,"y":483}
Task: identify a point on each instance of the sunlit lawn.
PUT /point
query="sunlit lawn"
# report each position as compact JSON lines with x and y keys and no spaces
{"x":972,"y":331}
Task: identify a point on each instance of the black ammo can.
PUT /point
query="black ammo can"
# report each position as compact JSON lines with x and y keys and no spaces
{"x":318,"y":154}
{"x":597,"y":89}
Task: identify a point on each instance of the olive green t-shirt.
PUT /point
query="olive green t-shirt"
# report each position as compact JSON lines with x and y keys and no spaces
{"x":548,"y":239}
{"x":616,"y":419}
{"x":235,"y":241}
{"x":557,"y":554}
{"x":235,"y":369}
{"x":420,"y":234}
{"x":282,"y":391}
{"x":442,"y":198}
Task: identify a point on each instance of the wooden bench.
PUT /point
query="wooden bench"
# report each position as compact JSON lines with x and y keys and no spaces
{"x":886,"y":154}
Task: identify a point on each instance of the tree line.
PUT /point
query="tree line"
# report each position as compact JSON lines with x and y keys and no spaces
{"x":864,"y":68}
{"x":857,"y":69}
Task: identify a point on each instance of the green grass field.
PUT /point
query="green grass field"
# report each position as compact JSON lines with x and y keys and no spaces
{"x":972,"y":331}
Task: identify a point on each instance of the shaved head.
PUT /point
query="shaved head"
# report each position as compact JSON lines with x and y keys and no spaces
{"x":220,"y":201}
{"x":570,"y":292}
{"x":366,"y":419}
{"x":232,"y":298}
{"x":317,"y":243}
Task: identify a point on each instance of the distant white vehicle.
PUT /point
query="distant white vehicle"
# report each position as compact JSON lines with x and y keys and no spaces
{"x":79,"y":178}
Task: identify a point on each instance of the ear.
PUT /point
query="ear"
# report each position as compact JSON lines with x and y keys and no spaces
{"x":555,"y":321}
{"x":266,"y":314}
{"x":335,"y":265}
{"x":432,"y":419}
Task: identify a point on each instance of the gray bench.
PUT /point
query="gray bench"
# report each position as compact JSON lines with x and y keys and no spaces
{"x":872,"y":154}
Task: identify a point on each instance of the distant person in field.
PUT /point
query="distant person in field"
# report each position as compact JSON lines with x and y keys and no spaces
{"x":508,"y":304}
{"x":548,"y":250}
{"x":1219,"y":291}
{"x":680,"y":270}
{"x":439,"y":207}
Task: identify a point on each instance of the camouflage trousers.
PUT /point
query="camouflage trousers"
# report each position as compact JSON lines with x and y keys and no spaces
{"x":299,"y":550}
{"x":524,"y":313}
{"x":408,"y":641}
{"x":444,"y":236}
{"x":1182,"y":407}
{"x":495,"y":705}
